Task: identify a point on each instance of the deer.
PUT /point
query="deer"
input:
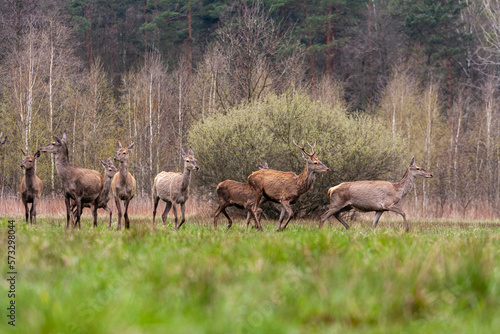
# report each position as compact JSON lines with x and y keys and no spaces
{"x":2,"y":141}
{"x":79,"y":184}
{"x":123,"y":184}
{"x":31,"y":186}
{"x":173,"y":189}
{"x":378,"y":196}
{"x":103,"y":198}
{"x":239,"y":194}
{"x":285,"y":187}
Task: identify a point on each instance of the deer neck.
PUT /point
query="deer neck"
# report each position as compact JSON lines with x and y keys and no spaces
{"x":305,"y":180}
{"x":29,"y":175}
{"x":123,"y":171}
{"x":106,"y":187}
{"x":405,"y":184}
{"x":186,"y":178}
{"x":62,"y":165}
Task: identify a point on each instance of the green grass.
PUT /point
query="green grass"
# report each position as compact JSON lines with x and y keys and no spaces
{"x":441,"y":277}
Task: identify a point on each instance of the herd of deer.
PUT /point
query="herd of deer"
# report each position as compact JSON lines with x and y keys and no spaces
{"x":87,"y":188}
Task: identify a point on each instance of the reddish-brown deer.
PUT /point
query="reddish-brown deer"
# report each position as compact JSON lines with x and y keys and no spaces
{"x":31,"y":186}
{"x":123,"y":184}
{"x":103,"y":198}
{"x":79,"y":184}
{"x":239,"y":194}
{"x":173,"y":188}
{"x":378,"y":196}
{"x":285,"y":187}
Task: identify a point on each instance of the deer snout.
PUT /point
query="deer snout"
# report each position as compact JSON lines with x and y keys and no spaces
{"x":197,"y":167}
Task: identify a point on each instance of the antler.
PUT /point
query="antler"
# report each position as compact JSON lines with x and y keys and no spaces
{"x":303,"y":150}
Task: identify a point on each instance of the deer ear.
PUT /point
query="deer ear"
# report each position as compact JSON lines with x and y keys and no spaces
{"x":265,"y":164}
{"x":305,"y":156}
{"x":24,"y":153}
{"x":37,"y":154}
{"x":412,"y":162}
{"x":191,"y":152}
{"x":110,"y":161}
{"x":183,"y":153}
{"x":64,"y":137}
{"x":119,"y":144}
{"x":57,"y":139}
{"x":130,"y":146}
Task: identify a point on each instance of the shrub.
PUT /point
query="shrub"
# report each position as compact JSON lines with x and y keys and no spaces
{"x":354,"y":147}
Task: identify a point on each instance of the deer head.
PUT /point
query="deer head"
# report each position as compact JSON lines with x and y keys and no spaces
{"x":313,"y":163}
{"x":122,"y":154}
{"x":418,"y":171}
{"x":57,"y":146}
{"x":189,"y":160}
{"x":29,"y":160}
{"x":109,"y":169}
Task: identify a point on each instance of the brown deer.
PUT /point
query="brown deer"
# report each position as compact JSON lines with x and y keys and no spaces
{"x":103,"y":198}
{"x":173,"y":188}
{"x":378,"y":196}
{"x":285,"y":187}
{"x":239,"y":194}
{"x":123,"y":184}
{"x":79,"y":184}
{"x":2,"y":141}
{"x":31,"y":186}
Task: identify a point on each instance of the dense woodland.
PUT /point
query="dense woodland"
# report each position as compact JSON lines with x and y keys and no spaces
{"x":372,"y":82}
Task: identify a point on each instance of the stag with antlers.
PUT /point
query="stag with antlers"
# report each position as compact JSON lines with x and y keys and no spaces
{"x":285,"y":187}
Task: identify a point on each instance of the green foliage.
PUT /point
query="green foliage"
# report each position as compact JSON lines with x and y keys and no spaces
{"x":440,"y":278}
{"x":354,"y":147}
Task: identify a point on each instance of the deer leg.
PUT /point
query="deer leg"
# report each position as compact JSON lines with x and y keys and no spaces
{"x":339,"y":218}
{"x":399,"y":211}
{"x":94,"y":215}
{"x":155,"y":200}
{"x":110,"y":213}
{"x":33,"y":211}
{"x":255,"y":206}
{"x":325,"y":216}
{"x":282,"y":215}
{"x":26,"y":211}
{"x":68,"y":209}
{"x":249,"y":217}
{"x":78,"y":212}
{"x":183,"y":210}
{"x":165,"y":212}
{"x":125,"y":215}
{"x":290,"y":213}
{"x":119,"y":208}
{"x":217,"y":213}
{"x":174,"y":210}
{"x":376,"y":218}
{"x":230,"y":222}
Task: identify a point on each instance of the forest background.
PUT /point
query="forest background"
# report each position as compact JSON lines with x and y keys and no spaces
{"x":373,"y":83}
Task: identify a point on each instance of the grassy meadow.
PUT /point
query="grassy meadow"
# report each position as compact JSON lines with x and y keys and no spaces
{"x":443,"y":276}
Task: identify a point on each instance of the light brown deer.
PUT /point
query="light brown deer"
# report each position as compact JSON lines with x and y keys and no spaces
{"x":285,"y":187}
{"x":378,"y":196}
{"x":103,"y":198}
{"x":31,"y":186}
{"x":239,"y":194}
{"x":173,"y":188}
{"x":79,"y":184}
{"x":123,"y":184}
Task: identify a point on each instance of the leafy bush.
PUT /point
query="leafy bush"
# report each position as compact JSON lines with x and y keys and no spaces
{"x":354,"y":147}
